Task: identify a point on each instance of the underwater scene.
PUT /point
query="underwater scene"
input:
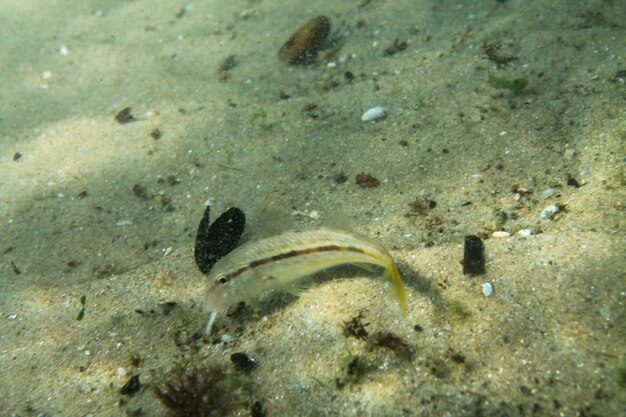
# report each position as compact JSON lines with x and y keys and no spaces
{"x":328,"y":208}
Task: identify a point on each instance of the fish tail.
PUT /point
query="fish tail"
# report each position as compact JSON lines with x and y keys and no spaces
{"x":397,"y":287}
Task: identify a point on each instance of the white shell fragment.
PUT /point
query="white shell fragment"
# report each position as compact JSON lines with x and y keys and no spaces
{"x":226,"y":338}
{"x":487,"y":289}
{"x":548,"y":193}
{"x":549,"y":212}
{"x":375,"y":113}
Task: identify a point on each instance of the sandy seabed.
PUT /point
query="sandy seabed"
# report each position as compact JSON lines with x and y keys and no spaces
{"x":106,"y":210}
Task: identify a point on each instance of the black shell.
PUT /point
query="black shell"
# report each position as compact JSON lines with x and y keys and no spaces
{"x":216,"y":240}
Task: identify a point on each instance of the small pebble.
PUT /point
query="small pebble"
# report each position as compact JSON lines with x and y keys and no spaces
{"x":525,"y":232}
{"x":124,"y":116}
{"x":549,"y":212}
{"x":242,"y":362}
{"x":366,"y":180}
{"x":132,"y":386}
{"x":226,"y":338}
{"x":302,"y":46}
{"x":500,"y":233}
{"x":487,"y":289}
{"x":257,"y":410}
{"x":548,"y":193}
{"x":374,"y":113}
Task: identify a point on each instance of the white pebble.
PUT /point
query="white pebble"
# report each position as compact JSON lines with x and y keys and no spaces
{"x":525,"y":232}
{"x":63,"y":50}
{"x":226,"y":338}
{"x":121,"y":372}
{"x":375,"y":113}
{"x":500,"y":233}
{"x":549,"y":212}
{"x":548,"y":193}
{"x":487,"y":289}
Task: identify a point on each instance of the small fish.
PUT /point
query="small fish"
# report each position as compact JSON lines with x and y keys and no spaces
{"x":279,"y":262}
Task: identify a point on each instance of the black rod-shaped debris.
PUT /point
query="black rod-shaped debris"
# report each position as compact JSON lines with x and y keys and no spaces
{"x":473,"y":256}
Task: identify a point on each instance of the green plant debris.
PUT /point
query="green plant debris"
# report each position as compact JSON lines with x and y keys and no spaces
{"x":620,"y":375}
{"x":229,"y":156}
{"x":517,"y":85}
{"x":420,"y":105}
{"x":81,"y":313}
{"x":234,"y":382}
{"x":459,"y":308}
{"x":259,"y":118}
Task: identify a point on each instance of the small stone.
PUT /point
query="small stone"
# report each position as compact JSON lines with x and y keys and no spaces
{"x":302,"y":46}
{"x":242,"y":362}
{"x":131,"y":387}
{"x":375,"y":113}
{"x":124,"y":116}
{"x":367,"y":181}
{"x":226,"y":338}
{"x":487,"y":288}
{"x":548,"y":193}
{"x":550,"y":211}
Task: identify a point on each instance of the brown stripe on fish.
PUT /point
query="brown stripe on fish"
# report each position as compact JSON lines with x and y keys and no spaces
{"x":291,"y":254}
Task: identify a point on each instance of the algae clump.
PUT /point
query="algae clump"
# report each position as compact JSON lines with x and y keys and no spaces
{"x":517,"y":85}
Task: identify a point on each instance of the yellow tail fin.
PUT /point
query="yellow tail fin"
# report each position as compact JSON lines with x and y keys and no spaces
{"x":397,"y":287}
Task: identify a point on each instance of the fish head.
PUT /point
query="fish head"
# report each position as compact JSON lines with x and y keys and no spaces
{"x":221,"y":292}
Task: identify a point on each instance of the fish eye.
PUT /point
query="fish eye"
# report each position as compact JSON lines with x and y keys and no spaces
{"x":222,"y":280}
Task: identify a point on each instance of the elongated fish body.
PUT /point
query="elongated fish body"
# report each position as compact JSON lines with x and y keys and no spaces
{"x":281,"y":261}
